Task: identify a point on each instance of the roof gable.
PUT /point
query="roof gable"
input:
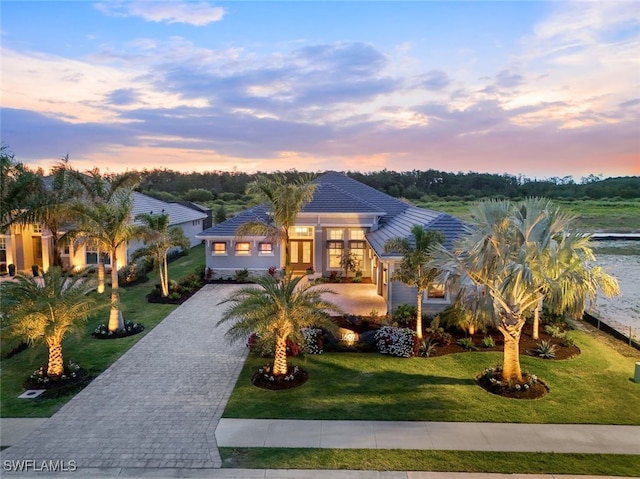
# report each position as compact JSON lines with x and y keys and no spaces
{"x":177,"y":213}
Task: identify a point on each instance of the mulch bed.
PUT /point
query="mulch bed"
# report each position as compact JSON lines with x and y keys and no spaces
{"x":70,"y":381}
{"x":295,"y":377}
{"x":531,"y":391}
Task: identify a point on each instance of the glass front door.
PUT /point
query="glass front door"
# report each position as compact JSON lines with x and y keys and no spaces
{"x":301,"y":254}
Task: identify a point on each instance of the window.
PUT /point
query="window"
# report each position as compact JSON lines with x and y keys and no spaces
{"x":334,"y":251}
{"x":265,"y":249}
{"x":335,"y":234}
{"x":219,"y":248}
{"x":37,"y":228}
{"x":243,"y":248}
{"x":195,"y":222}
{"x":302,"y":232}
{"x":356,"y":234}
{"x":91,"y":254}
{"x":357,"y":249}
{"x":437,"y":292}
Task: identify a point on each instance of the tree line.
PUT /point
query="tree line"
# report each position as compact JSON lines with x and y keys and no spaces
{"x":416,"y":184}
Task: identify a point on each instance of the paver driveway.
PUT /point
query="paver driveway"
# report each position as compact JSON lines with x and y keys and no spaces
{"x":158,"y":405}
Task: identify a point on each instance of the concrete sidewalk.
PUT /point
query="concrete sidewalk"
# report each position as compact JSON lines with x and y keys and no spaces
{"x":458,"y":436}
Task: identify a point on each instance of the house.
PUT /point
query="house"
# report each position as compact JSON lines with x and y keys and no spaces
{"x":344,"y":214}
{"x":27,"y":245}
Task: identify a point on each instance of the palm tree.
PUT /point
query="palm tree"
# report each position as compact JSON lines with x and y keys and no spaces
{"x":413,"y":270}
{"x":510,"y":273}
{"x":98,"y":188}
{"x":277,"y":310}
{"x":109,"y":225}
{"x":49,"y":205}
{"x":159,"y":239}
{"x":46,"y":310}
{"x":286,"y":199}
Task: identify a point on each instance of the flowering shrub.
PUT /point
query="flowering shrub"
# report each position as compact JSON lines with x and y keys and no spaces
{"x":130,"y":328}
{"x":312,"y":340}
{"x":395,"y":341}
{"x":266,"y":372}
{"x":491,"y":373}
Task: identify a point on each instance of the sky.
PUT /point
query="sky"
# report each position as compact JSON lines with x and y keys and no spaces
{"x":541,"y":89}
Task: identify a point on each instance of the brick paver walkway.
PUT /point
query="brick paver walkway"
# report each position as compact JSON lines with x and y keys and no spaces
{"x":157,"y":406}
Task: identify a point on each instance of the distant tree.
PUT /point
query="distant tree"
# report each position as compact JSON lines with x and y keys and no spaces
{"x":198,"y":194}
{"x":220,"y":214}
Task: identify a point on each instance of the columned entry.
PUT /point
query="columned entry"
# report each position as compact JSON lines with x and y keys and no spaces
{"x":301,"y":253}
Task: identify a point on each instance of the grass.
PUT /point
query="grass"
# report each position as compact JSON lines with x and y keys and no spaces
{"x":592,"y":215}
{"x":451,"y":461}
{"x":91,"y":354}
{"x":593,"y":388}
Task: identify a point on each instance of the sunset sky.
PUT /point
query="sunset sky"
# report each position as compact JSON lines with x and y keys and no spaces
{"x":536,"y":88}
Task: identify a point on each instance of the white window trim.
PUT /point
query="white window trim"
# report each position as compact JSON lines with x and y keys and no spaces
{"x":241,"y":253}
{"x":262,"y":253}
{"x":226,"y":248}
{"x":445,"y":300}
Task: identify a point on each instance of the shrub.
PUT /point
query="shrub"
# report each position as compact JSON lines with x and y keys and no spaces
{"x":467,"y":343}
{"x":427,"y":348}
{"x":395,"y":341}
{"x":488,"y":342}
{"x":404,"y":314}
{"x":242,"y":275}
{"x":555,"y":332}
{"x":313,"y":343}
{"x":545,"y":349}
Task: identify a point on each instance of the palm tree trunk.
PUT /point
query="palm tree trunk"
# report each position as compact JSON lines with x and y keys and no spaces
{"x":419,"y":316}
{"x":472,"y":329}
{"x":536,"y":320}
{"x":164,"y":277}
{"x":55,"y":366}
{"x":280,"y":360}
{"x":116,"y":321}
{"x":511,"y":357}
{"x":100,"y":289}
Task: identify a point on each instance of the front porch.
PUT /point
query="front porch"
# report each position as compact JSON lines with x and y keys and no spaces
{"x":356,"y":298}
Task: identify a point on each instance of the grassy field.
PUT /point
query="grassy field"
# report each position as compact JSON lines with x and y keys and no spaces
{"x":592,"y":215}
{"x":91,"y":354}
{"x":450,"y":461}
{"x":593,"y":388}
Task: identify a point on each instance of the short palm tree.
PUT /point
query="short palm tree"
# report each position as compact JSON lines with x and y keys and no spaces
{"x":277,"y":310}
{"x":413,"y":269}
{"x":159,"y":239}
{"x":46,"y":310}
{"x":286,"y":199}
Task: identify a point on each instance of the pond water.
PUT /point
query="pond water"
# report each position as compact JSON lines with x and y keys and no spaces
{"x":622,"y":260}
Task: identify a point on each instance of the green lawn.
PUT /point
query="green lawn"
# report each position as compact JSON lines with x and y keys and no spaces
{"x":593,"y":388}
{"x":450,"y":461}
{"x":91,"y":354}
{"x":592,"y":215}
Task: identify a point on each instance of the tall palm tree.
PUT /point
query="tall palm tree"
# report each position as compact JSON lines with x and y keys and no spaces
{"x":159,"y":239}
{"x":99,"y":188}
{"x":17,"y":184}
{"x":47,"y":310}
{"x":277,"y":310}
{"x":507,"y":259}
{"x":49,"y":204}
{"x":109,"y":225}
{"x":413,"y":269}
{"x":286,"y":199}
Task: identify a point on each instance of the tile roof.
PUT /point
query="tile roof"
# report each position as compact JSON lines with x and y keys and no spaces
{"x":178,"y":214}
{"x":400,"y":227}
{"x":337,"y":193}
{"x":228,"y":228}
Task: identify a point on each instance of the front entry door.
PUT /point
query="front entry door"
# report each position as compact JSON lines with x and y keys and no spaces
{"x":301,"y":254}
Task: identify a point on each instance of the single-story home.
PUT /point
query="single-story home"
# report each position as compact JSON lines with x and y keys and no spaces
{"x":27,"y":245}
{"x":344,"y":214}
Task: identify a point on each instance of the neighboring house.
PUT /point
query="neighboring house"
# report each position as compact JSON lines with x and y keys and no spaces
{"x":208,"y":221}
{"x":343,"y":214}
{"x":29,"y":245}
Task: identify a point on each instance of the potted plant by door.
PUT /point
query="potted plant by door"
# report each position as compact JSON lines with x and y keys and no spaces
{"x":35,"y":269}
{"x":12,"y":269}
